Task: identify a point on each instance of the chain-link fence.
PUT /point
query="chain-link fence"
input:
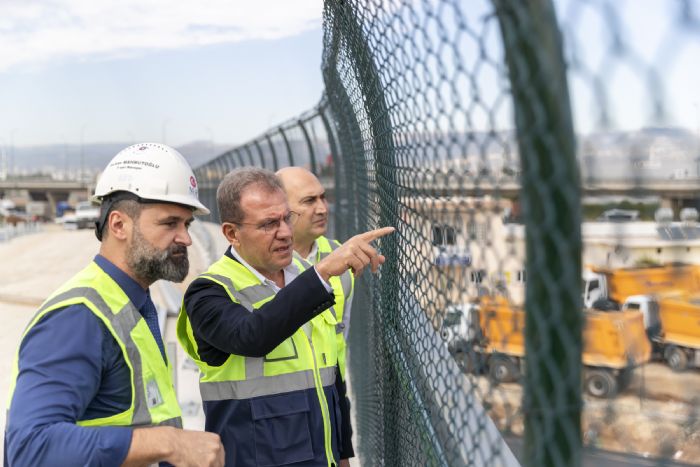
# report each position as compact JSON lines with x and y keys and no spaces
{"x":465,"y":126}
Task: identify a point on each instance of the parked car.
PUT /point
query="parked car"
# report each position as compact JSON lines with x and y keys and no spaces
{"x":84,"y":217}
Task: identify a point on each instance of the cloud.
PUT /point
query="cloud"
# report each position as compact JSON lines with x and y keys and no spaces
{"x":34,"y":32}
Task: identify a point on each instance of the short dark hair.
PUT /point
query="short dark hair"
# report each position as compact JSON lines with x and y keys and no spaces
{"x":228,"y":195}
{"x":122,"y":201}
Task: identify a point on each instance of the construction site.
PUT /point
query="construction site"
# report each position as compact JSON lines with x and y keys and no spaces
{"x":539,"y":162}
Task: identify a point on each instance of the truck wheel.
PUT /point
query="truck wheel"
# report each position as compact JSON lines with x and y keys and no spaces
{"x":600,"y":383}
{"x":677,"y":358}
{"x":470,"y":361}
{"x":465,"y":362}
{"x":503,"y":369}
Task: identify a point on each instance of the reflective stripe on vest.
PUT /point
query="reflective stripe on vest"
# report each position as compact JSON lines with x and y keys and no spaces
{"x":295,"y":367}
{"x":247,"y":296}
{"x":345,"y":283}
{"x":254,"y":366}
{"x":267,"y":386}
{"x":324,"y":248}
{"x":252,"y":294}
{"x":122,"y":325}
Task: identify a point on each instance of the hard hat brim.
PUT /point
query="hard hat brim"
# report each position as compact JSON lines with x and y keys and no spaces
{"x":198,"y":208}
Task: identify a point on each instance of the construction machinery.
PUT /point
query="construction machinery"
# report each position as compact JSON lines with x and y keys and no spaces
{"x":614,"y":343}
{"x":667,"y":297}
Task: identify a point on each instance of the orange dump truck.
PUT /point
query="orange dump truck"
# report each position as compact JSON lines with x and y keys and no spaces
{"x":614,"y":344}
{"x":668,"y":297}
{"x":673,"y":325}
{"x":618,"y":284}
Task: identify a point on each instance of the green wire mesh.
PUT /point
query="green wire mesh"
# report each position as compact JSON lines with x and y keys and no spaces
{"x":465,"y":125}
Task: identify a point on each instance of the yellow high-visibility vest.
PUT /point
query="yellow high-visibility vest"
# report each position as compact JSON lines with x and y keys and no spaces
{"x":342,"y":289}
{"x":153,"y":399}
{"x":300,"y":362}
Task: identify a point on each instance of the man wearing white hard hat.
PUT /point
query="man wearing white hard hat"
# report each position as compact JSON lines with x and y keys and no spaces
{"x":91,"y":383}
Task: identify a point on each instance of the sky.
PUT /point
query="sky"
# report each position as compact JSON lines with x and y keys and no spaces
{"x":85,"y":71}
{"x":224,"y":71}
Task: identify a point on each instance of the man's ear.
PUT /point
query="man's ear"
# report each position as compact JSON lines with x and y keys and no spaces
{"x":120,"y":225}
{"x":231,"y":233}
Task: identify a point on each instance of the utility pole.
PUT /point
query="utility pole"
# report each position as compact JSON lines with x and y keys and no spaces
{"x":163,"y":134}
{"x":3,"y":161}
{"x":11,"y":169}
{"x":82,"y":152}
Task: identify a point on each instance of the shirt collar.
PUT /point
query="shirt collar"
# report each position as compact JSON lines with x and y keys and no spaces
{"x":311,"y":258}
{"x":290,"y":272}
{"x":137,"y":295}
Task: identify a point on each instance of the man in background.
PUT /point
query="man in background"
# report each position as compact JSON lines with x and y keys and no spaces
{"x":307,"y":197}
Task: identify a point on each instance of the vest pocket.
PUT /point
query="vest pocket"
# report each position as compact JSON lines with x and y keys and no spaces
{"x":287,"y":350}
{"x":282,"y":433}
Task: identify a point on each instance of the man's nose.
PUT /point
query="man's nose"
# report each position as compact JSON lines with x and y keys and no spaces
{"x":183,"y":237}
{"x":322,"y":206}
{"x":284,"y":231}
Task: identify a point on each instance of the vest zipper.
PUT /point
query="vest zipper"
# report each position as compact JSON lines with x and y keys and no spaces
{"x":324,"y":406}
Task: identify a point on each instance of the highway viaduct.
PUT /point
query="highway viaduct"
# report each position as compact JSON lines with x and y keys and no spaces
{"x":25,"y":190}
{"x":673,"y":193}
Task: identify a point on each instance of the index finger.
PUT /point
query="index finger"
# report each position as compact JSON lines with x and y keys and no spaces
{"x":375,"y":234}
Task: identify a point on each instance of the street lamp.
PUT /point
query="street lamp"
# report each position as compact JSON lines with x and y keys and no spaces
{"x":163,"y":138}
{"x":3,"y":159}
{"x":65,"y":159}
{"x":82,"y":152}
{"x":211,"y":141}
{"x":12,"y":151}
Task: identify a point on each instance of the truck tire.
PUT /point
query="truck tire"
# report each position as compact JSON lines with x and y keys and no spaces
{"x":465,"y":362}
{"x":470,"y":361}
{"x":503,"y":369}
{"x":676,"y":358}
{"x":600,"y":383}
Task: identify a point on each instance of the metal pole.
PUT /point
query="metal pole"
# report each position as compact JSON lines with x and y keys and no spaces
{"x":275,"y":163}
{"x":260,"y":153}
{"x":288,"y":146}
{"x":551,"y":205}
{"x":312,"y":153}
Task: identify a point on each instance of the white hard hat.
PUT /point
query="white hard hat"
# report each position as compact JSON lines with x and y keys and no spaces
{"x":151,"y":171}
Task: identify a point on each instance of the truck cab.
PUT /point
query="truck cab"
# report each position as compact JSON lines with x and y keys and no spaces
{"x":461,"y":331}
{"x":673,"y":326}
{"x":595,"y":288}
{"x":649,"y":308}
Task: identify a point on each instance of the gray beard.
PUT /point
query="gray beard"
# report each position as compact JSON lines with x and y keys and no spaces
{"x":151,"y":264}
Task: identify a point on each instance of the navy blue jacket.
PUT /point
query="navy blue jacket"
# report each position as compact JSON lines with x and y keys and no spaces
{"x":222,"y":327}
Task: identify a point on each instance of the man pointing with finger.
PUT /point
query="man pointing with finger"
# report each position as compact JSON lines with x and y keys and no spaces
{"x":261,"y":329}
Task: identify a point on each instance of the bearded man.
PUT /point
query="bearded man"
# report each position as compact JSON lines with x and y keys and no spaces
{"x":92,"y":384}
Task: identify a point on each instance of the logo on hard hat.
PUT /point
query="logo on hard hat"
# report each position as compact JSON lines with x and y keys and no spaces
{"x":143,"y":148}
{"x":193,"y":182}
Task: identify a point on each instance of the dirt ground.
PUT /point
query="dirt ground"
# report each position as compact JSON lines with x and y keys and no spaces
{"x":657,"y":416}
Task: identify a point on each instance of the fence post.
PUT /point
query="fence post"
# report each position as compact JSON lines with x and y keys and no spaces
{"x":275,"y":162}
{"x":260,"y":153}
{"x":312,"y":153}
{"x":551,"y":206}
